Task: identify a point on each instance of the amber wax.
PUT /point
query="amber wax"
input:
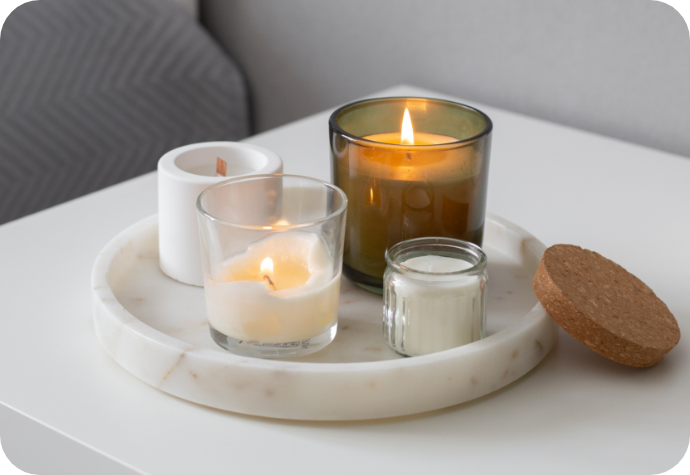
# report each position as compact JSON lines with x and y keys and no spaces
{"x":410,"y":167}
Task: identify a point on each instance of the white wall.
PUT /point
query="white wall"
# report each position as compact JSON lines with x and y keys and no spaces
{"x":616,"y":67}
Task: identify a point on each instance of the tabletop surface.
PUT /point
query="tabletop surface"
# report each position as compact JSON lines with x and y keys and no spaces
{"x":575,"y":411}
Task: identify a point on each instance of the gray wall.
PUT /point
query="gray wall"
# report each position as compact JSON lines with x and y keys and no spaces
{"x":617,"y":67}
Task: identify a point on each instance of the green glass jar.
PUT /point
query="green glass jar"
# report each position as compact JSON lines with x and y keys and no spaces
{"x":399,"y":188}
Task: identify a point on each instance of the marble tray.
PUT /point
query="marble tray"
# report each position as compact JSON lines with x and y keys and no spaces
{"x":156,"y":329}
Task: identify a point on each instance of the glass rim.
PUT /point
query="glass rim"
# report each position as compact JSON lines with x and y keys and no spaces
{"x":395,"y":251}
{"x":200,"y":209}
{"x":333,"y":122}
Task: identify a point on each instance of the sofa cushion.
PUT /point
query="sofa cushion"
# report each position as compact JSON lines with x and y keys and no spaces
{"x":93,"y":92}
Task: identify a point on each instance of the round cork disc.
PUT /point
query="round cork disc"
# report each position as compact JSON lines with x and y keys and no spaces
{"x":604,"y":306}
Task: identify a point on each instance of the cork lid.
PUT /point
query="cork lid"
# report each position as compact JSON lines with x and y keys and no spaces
{"x":604,"y":306}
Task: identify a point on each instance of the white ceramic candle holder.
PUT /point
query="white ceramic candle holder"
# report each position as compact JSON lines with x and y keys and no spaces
{"x":183,"y":173}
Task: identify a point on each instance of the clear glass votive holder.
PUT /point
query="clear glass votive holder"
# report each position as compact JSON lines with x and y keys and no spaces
{"x":434,"y":295}
{"x":272,"y":252}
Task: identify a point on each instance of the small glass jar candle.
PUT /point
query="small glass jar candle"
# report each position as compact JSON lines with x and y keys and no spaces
{"x":272,"y":250}
{"x":434,"y":295}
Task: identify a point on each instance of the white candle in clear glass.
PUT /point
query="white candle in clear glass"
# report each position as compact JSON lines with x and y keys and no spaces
{"x":272,"y":249}
{"x":433,"y":302}
{"x":282,"y":289}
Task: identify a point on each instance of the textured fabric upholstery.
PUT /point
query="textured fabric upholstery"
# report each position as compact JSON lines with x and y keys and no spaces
{"x":93,"y":92}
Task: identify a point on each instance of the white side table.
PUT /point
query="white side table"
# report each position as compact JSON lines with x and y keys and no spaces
{"x":575,"y":413}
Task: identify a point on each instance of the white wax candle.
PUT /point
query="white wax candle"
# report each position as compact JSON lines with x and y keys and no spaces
{"x":438,"y":312}
{"x":231,"y":170}
{"x":298,"y":300}
{"x":437,"y":264}
{"x":185,"y":172}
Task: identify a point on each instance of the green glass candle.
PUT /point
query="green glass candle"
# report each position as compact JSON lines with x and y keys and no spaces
{"x":403,"y":184}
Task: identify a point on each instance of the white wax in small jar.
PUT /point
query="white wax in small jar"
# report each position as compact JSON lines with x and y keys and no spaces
{"x":437,"y":264}
{"x":295,"y":300}
{"x":435,"y":312}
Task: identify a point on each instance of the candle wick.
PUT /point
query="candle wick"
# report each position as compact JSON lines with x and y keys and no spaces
{"x":270,"y":282}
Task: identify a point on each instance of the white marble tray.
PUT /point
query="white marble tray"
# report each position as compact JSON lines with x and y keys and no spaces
{"x":156,"y":329}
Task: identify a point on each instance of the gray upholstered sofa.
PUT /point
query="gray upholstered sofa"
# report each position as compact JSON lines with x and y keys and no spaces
{"x":93,"y":92}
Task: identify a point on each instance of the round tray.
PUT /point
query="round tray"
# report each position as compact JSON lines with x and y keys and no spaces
{"x":156,"y":329}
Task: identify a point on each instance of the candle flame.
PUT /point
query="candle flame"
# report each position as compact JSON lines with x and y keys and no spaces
{"x":407,"y":134}
{"x":267,"y":265}
{"x":283,"y":222}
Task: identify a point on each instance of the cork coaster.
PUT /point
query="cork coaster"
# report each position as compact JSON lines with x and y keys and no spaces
{"x":604,"y":306}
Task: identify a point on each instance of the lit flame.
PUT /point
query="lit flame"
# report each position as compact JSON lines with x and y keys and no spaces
{"x":267,"y":265}
{"x":407,"y":134}
{"x":371,"y":196}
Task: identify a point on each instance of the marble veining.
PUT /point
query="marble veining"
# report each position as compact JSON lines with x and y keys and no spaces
{"x":156,"y":328}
